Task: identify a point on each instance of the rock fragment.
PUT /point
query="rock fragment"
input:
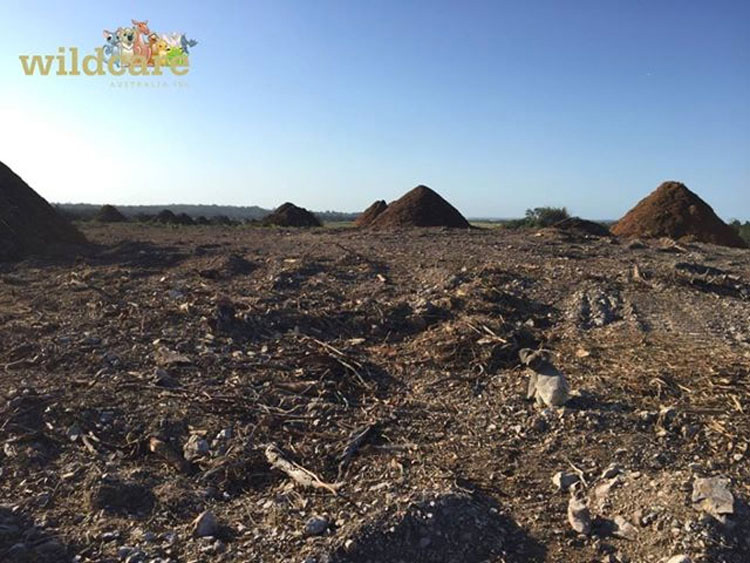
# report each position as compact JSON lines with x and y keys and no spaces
{"x":712,"y":495}
{"x":205,"y":524}
{"x":624,"y":529}
{"x":316,"y":526}
{"x":563,"y":481}
{"x":195,"y":447}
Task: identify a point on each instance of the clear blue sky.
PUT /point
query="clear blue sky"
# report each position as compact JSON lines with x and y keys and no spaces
{"x":497,"y":105}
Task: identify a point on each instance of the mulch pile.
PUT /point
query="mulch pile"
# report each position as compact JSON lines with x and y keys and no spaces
{"x":28,"y":224}
{"x":369,"y":214}
{"x":169,"y":218}
{"x":110,"y":214}
{"x":583,"y":227}
{"x":673,"y":211}
{"x":165,"y":216}
{"x":289,"y":215}
{"x":421,"y":207}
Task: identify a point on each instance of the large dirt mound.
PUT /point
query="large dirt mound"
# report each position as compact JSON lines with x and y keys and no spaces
{"x":421,"y":207}
{"x":369,"y":214}
{"x":673,"y":211}
{"x":289,"y":215}
{"x":28,"y":224}
{"x":110,"y":214}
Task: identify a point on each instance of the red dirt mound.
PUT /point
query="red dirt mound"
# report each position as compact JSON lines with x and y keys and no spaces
{"x":28,"y":224}
{"x":421,"y":207}
{"x":110,"y":214}
{"x":289,"y":215}
{"x":369,"y":214}
{"x":673,"y":211}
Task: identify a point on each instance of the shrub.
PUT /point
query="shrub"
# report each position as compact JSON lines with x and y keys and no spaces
{"x":742,"y":229}
{"x":546,"y":216}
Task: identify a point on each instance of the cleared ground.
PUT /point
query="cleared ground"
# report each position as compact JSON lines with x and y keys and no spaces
{"x":211,"y":343}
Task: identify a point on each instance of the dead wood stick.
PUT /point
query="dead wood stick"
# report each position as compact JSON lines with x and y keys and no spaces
{"x":296,"y":472}
{"x":578,"y":471}
{"x":354,"y":445}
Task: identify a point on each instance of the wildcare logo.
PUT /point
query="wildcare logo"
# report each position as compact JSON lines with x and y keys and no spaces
{"x":134,"y":49}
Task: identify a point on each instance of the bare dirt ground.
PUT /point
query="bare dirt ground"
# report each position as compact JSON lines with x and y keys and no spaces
{"x":145,"y":382}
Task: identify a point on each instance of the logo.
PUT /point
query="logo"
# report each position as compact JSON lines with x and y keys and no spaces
{"x":134,"y":49}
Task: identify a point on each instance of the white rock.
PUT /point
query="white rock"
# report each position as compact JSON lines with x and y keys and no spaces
{"x":563,"y":481}
{"x":679,"y":559}
{"x":624,"y":529}
{"x":712,"y":495}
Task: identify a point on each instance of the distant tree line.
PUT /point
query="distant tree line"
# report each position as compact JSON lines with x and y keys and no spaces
{"x":538,"y":217}
{"x":221,"y":213}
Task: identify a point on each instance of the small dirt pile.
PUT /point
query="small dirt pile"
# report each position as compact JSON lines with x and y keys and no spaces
{"x":166,"y":216}
{"x":28,"y":224}
{"x":673,"y":211}
{"x":582,"y":227}
{"x":369,"y":214}
{"x":184,"y":219}
{"x":421,"y":207}
{"x":110,"y":214}
{"x":289,"y":215}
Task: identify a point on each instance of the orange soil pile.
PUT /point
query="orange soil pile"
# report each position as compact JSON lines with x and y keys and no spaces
{"x":289,"y":215}
{"x":421,"y":207}
{"x":673,"y":211}
{"x":28,"y":224}
{"x":369,"y":214}
{"x":110,"y":214}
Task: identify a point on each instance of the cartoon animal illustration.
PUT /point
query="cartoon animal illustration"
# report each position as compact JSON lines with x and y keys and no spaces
{"x":173,"y":39}
{"x":159,"y":50}
{"x":126,"y":40}
{"x":176,"y":56}
{"x":186,"y":44}
{"x":140,"y":41}
{"x":111,"y":46}
{"x":152,"y":40}
{"x":140,"y":47}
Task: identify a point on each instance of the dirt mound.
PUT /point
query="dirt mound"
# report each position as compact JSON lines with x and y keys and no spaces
{"x":421,"y":207}
{"x":289,"y":215}
{"x":28,"y":224}
{"x":369,"y":214}
{"x":673,"y":211}
{"x":110,"y":214}
{"x":166,"y":216}
{"x":578,"y":226}
{"x":225,"y":267}
{"x":184,"y":219}
{"x":169,"y":218}
{"x":452,"y":527}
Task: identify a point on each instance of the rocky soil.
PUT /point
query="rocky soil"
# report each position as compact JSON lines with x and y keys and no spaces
{"x":254,"y":394}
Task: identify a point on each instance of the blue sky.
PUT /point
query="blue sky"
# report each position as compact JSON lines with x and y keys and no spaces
{"x":499,"y":106}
